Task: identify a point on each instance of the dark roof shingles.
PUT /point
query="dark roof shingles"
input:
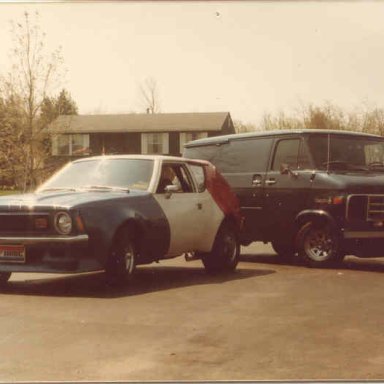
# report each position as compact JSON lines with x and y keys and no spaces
{"x":162,"y":122}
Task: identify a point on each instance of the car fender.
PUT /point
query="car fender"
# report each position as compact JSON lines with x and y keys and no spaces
{"x":143,"y":211}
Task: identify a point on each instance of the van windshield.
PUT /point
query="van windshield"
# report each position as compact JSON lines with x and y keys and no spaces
{"x":355,"y":153}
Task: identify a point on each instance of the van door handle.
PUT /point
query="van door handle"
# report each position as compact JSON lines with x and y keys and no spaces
{"x":270,"y":181}
{"x":256,"y":181}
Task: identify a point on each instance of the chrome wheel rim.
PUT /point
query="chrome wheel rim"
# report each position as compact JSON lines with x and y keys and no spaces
{"x":129,"y":258}
{"x":229,"y":247}
{"x":319,"y":245}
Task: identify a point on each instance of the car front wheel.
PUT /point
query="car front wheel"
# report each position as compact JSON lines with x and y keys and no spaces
{"x":225,"y":252}
{"x":318,"y":245}
{"x":122,"y":259}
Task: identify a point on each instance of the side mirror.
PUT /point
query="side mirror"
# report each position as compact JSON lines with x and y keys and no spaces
{"x":169,"y":189}
{"x":285,"y":169}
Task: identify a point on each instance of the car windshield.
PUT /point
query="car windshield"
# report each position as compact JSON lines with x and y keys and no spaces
{"x":102,"y":174}
{"x":355,"y":153}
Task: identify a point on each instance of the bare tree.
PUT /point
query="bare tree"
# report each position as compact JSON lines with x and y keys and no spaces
{"x":241,"y":127}
{"x":150,"y":96}
{"x":327,"y":116}
{"x":33,"y":75}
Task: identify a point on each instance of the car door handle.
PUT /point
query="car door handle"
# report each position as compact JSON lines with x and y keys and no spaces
{"x":270,"y":181}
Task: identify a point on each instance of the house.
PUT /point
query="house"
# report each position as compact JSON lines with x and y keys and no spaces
{"x":83,"y":135}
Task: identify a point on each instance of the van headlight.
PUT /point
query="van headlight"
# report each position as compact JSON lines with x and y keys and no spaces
{"x":63,"y":223}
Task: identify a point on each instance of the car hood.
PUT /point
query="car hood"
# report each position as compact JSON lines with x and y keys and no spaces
{"x":351,"y":182}
{"x":62,"y":199}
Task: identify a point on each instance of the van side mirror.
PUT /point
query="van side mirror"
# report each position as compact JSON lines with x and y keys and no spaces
{"x":169,"y":189}
{"x":285,"y":169}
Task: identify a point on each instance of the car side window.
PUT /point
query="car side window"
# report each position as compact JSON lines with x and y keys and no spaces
{"x":198,"y":172}
{"x":174,"y":174}
{"x":292,"y":153}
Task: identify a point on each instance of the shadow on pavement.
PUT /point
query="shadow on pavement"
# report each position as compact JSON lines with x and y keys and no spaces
{"x":145,"y":280}
{"x":349,"y":263}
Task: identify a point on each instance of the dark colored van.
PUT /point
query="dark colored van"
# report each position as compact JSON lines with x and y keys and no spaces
{"x":318,"y":194}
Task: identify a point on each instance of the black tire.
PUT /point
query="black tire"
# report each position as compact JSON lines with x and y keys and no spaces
{"x":225,"y":252}
{"x":121,"y":263}
{"x":4,"y":277}
{"x":318,"y":245}
{"x":285,"y":251}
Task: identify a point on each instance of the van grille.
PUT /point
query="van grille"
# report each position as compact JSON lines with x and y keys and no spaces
{"x":375,"y":209}
{"x":365,"y":207}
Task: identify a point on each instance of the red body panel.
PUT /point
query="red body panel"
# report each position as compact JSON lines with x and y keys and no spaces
{"x":222,"y":193}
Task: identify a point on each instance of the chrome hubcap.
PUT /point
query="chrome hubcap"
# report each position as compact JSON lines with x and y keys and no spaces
{"x":319,"y":245}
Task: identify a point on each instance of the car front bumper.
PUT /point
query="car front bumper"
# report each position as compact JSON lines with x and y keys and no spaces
{"x":46,"y":240}
{"x":51,"y":254}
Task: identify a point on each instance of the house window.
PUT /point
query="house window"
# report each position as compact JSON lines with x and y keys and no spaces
{"x":71,"y":145}
{"x":185,"y":137}
{"x":154,"y":143}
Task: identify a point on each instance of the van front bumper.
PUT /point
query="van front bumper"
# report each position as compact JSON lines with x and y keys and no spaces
{"x":363,"y":234}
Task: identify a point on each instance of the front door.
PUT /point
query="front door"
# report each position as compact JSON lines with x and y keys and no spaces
{"x":287,"y":185}
{"x":183,"y":209}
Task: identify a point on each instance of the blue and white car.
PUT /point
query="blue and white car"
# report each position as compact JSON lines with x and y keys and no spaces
{"x":113,"y":213}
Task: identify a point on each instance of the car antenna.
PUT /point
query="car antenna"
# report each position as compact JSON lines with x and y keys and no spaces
{"x":328,"y":152}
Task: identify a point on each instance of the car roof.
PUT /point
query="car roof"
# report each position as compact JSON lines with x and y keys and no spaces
{"x":143,"y":157}
{"x":216,"y":140}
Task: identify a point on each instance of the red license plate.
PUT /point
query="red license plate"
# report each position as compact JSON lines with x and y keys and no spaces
{"x":12,"y":254}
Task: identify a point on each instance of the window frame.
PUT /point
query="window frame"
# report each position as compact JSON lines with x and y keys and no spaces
{"x":301,"y":152}
{"x":183,"y":138}
{"x":145,"y":143}
{"x":193,"y":174}
{"x":70,"y":137}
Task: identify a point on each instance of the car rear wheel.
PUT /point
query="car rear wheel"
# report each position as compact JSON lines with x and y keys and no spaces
{"x":318,"y":245}
{"x":4,"y":277}
{"x":225,"y":251}
{"x":122,"y":259}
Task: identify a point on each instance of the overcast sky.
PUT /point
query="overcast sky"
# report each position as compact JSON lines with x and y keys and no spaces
{"x":247,"y":58}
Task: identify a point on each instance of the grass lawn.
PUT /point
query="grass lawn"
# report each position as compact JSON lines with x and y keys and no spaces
{"x":6,"y":192}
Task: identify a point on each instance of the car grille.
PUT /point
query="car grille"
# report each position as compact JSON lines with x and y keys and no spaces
{"x":365,"y":207}
{"x":21,"y":222}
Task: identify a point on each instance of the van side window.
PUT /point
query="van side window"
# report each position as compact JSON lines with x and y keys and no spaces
{"x":198,"y":172}
{"x":250,"y":155}
{"x":291,"y":152}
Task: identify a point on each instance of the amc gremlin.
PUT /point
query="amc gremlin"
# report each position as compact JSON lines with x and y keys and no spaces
{"x":113,"y":213}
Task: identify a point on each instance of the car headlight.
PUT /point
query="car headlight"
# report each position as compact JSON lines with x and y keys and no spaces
{"x":63,"y":223}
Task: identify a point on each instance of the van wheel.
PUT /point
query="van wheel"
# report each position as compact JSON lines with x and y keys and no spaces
{"x":285,"y":250}
{"x":122,"y":258}
{"x":4,"y":277}
{"x":225,"y":252}
{"x":318,"y":245}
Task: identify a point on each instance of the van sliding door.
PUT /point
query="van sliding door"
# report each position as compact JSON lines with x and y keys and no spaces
{"x":243,"y":162}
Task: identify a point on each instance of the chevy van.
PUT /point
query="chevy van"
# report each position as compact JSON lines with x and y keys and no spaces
{"x":315,"y":194}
